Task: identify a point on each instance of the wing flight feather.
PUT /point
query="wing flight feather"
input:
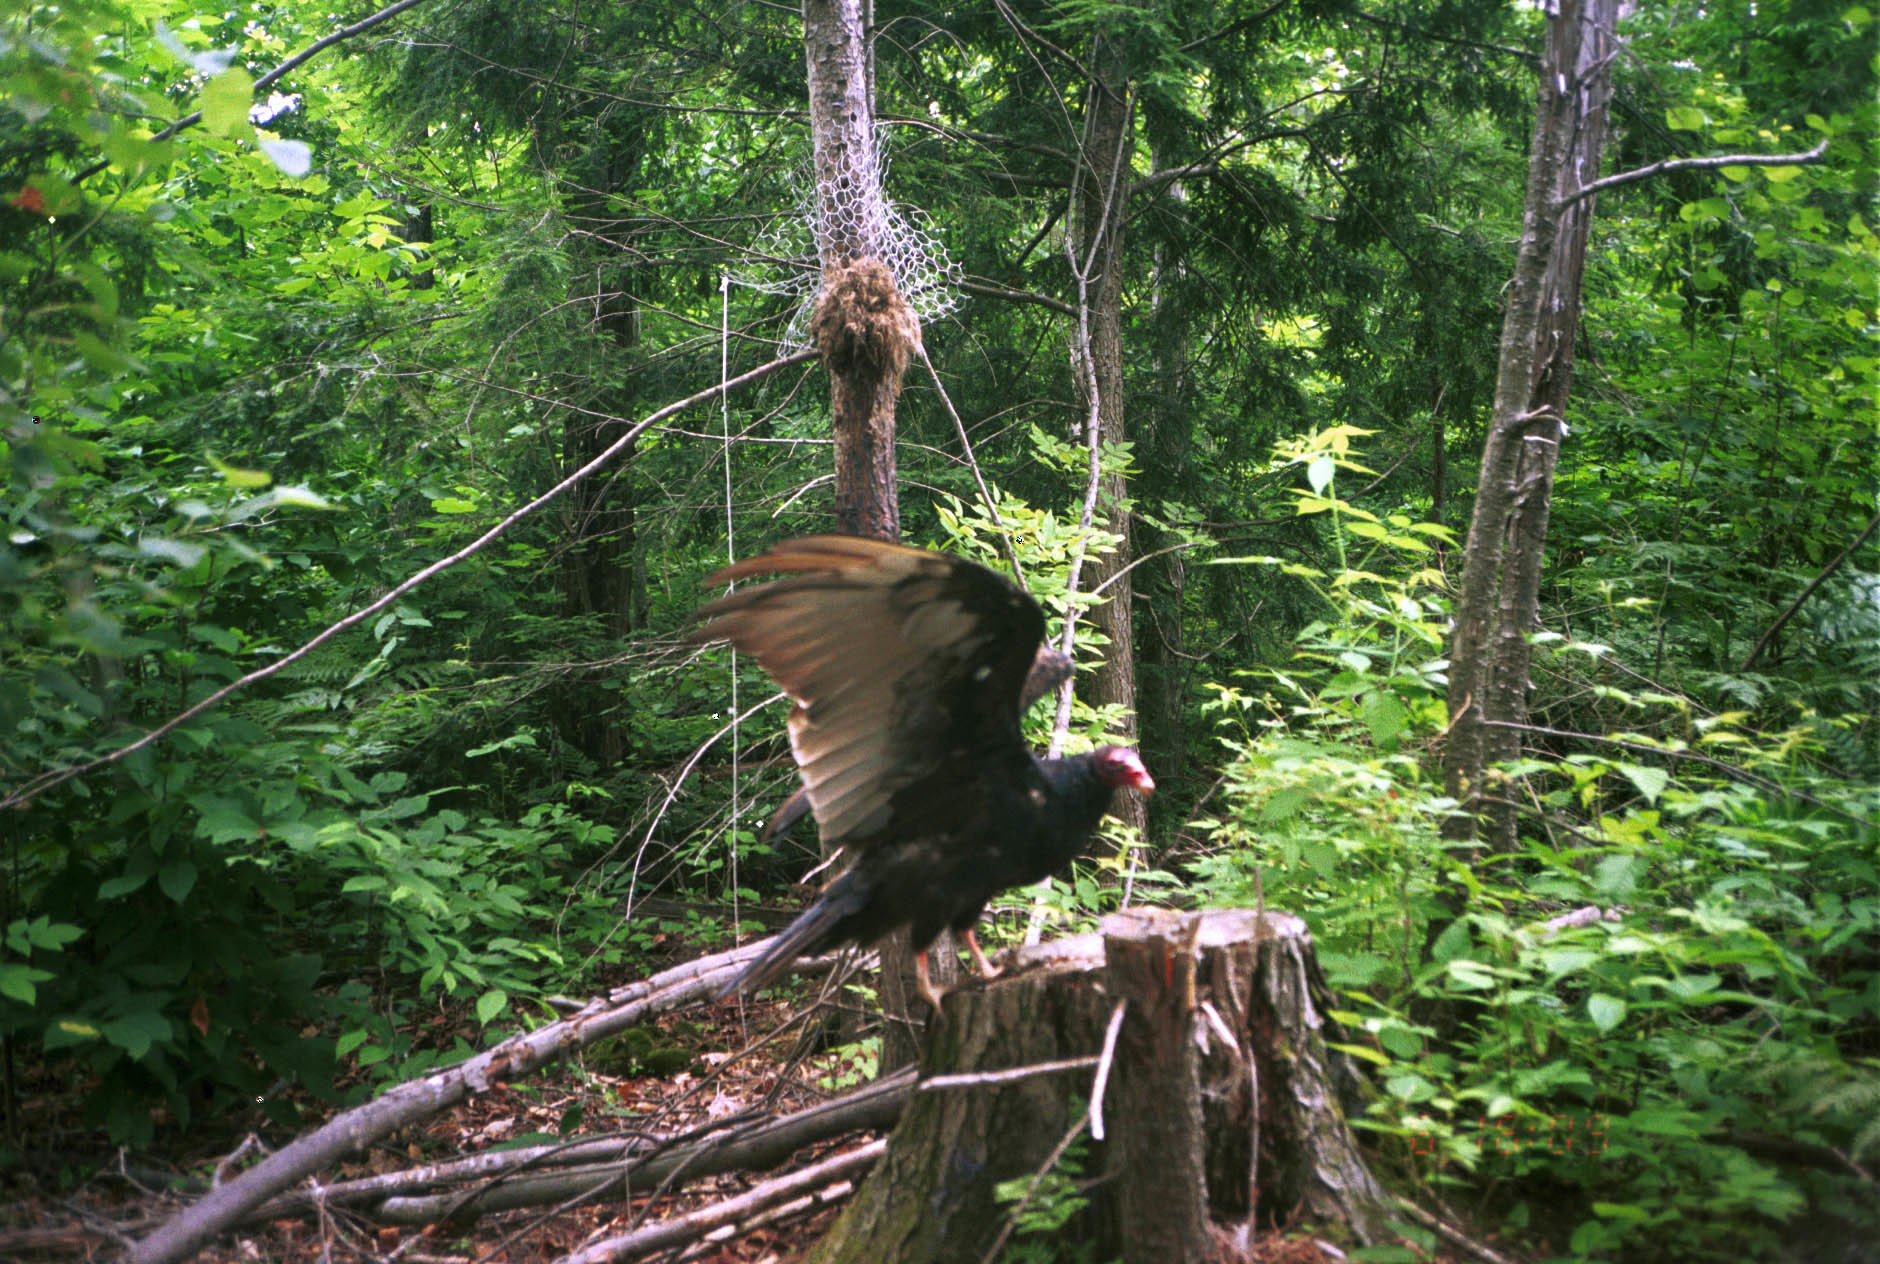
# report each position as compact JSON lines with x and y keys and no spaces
{"x":902,"y":663}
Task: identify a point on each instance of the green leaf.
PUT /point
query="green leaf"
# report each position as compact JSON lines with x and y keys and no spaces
{"x":16,"y":982}
{"x":136,"y":1033}
{"x":225,"y":102}
{"x":490,"y":1004}
{"x":1651,"y":782}
{"x":1366,"y":1052}
{"x":1606,"y":1011}
{"x":235,"y":476}
{"x":1452,"y":943}
{"x":1384,"y":715}
{"x":178,"y":552}
{"x":70,"y":1031}
{"x":1621,"y":1211}
{"x":1685,"y":118}
{"x":49,"y":195}
{"x":177,"y":879}
{"x":302,"y":498}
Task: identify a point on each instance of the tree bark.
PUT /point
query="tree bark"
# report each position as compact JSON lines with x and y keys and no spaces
{"x":1162,"y":1197}
{"x":1498,"y":605}
{"x":1162,"y":662}
{"x":1229,"y":997}
{"x":866,"y":333}
{"x":1104,"y":191}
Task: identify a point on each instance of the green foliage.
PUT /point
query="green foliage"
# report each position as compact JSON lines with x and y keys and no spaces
{"x":1043,"y":1204}
{"x":254,"y":375}
{"x":1719,"y":995}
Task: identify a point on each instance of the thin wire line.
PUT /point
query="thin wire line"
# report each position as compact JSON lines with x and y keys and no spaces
{"x":731,"y":555}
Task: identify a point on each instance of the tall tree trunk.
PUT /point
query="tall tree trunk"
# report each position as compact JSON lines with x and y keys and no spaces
{"x":1162,"y":681}
{"x":1104,"y":153}
{"x":1498,"y":606}
{"x":866,"y":333}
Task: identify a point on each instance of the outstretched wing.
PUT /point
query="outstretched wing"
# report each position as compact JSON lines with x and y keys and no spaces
{"x":906,"y":667}
{"x":1050,"y":669}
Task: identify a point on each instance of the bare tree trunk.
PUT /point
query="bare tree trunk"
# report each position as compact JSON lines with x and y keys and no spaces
{"x":1162,"y":677}
{"x":1498,"y":606}
{"x":1105,"y":153}
{"x":866,"y":333}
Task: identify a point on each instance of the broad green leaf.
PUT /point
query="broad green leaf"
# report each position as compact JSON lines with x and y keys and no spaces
{"x":16,"y":982}
{"x":70,"y":1031}
{"x":1384,"y":715}
{"x":1651,"y":782}
{"x":177,"y":879}
{"x":235,"y":476}
{"x":225,"y":102}
{"x":302,"y":498}
{"x":178,"y":552}
{"x":1621,"y":1211}
{"x":1606,"y":1011}
{"x":1685,"y":118}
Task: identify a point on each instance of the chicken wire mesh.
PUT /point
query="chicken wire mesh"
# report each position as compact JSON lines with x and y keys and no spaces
{"x":786,"y":257}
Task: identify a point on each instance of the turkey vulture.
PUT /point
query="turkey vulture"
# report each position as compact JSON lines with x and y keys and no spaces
{"x":907,"y":668}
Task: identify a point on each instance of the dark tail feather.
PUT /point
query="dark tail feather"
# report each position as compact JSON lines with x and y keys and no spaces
{"x":814,"y":931}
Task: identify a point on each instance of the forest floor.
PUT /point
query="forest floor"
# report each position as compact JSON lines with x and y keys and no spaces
{"x":688,"y":1070}
{"x":49,"y":1211}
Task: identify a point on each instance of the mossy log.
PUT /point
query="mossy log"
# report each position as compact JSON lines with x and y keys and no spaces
{"x":1224,"y":1110}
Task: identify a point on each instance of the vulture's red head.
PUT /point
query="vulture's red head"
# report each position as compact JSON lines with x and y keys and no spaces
{"x":1121,"y":766}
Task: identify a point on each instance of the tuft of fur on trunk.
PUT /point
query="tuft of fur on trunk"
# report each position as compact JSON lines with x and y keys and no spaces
{"x":862,"y":324}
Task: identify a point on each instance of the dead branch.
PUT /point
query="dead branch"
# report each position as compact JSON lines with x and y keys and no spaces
{"x":1451,"y":1234}
{"x":585,"y":1171}
{"x":228,"y":1205}
{"x":681,"y":1230}
{"x":46,"y":781}
{"x":1694,"y":164}
{"x":1762,"y":642}
{"x":274,"y":76}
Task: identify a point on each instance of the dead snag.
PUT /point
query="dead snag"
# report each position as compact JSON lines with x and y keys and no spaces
{"x":1233,"y":1037}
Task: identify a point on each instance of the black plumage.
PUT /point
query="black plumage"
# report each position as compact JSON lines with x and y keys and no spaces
{"x":907,"y":668}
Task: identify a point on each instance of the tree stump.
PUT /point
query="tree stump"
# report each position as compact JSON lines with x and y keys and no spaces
{"x":1224,"y":1109}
